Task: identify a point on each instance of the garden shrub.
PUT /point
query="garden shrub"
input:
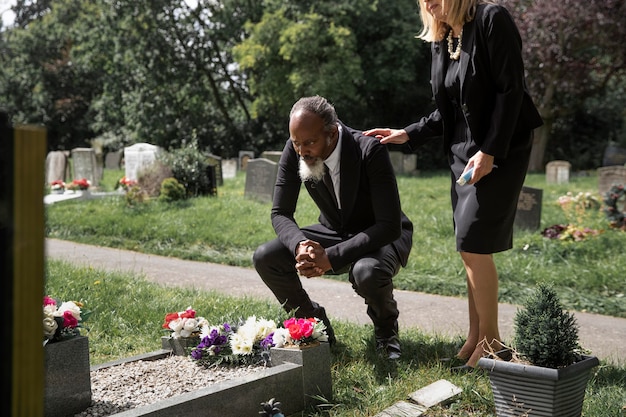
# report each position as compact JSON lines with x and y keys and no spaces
{"x":190,"y":168}
{"x":172,"y":190}
{"x":545,"y":334}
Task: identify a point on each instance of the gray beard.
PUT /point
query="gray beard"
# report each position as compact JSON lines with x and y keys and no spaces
{"x":313,"y":172}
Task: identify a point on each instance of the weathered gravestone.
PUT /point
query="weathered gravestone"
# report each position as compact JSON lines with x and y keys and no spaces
{"x":403,"y":164}
{"x":528,"y":214}
{"x":610,"y":176}
{"x":113,"y":160}
{"x":216,"y":161}
{"x":260,"y":179}
{"x":557,"y":172}
{"x":272,"y":155}
{"x":56,"y":166}
{"x":84,"y":164}
{"x":139,"y":157}
{"x":244,"y":157}
{"x":229,"y":168}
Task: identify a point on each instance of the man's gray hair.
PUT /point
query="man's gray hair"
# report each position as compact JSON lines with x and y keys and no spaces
{"x":317,"y":105}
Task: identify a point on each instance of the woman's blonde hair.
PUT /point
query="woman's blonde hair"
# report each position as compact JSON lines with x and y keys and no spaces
{"x":457,"y":11}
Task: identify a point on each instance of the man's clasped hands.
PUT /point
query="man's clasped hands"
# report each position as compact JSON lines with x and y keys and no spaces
{"x":311,"y":259}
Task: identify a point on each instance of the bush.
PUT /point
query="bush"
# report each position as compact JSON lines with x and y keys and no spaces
{"x":545,"y":334}
{"x":172,"y":190}
{"x":190,"y":168}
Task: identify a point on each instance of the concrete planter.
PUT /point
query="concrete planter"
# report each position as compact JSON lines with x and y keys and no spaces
{"x":181,"y":346}
{"x":295,"y":377}
{"x":68,"y":378}
{"x":533,"y":391}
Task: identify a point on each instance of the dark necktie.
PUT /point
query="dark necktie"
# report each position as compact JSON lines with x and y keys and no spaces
{"x":328,"y":182}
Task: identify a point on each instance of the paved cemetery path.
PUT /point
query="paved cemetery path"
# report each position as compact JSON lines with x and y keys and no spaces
{"x":605,"y":336}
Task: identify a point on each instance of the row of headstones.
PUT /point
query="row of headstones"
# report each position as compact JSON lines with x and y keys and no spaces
{"x":89,"y":164}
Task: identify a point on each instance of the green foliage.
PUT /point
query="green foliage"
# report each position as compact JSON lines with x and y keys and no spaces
{"x":189,"y":166}
{"x":545,"y":334}
{"x":172,"y":190}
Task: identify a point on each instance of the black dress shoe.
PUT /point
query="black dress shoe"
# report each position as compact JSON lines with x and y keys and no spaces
{"x":389,"y":348}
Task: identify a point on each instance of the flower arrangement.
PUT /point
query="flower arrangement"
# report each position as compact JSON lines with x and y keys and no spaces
{"x":79,"y":184}
{"x":57,"y":186}
{"x":184,"y":323}
{"x":578,"y":210}
{"x":612,"y":199}
{"x":62,"y":320}
{"x":300,"y":331}
{"x":126,"y":183}
{"x":247,"y":343}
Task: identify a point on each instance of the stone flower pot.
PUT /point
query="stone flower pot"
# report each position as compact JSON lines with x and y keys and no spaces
{"x":67,"y":377}
{"x":530,"y":391}
{"x":180,"y":346}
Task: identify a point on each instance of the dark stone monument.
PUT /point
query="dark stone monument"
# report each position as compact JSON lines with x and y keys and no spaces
{"x":216,"y":161}
{"x":528,"y":215}
{"x":212,"y":185}
{"x":260,"y":179}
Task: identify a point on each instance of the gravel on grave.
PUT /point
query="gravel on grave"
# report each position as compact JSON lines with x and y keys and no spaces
{"x":135,"y":384}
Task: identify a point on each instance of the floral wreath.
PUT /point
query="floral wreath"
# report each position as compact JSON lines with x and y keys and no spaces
{"x":616,"y":217}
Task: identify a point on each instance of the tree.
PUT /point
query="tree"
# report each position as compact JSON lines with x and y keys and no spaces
{"x":573,"y":51}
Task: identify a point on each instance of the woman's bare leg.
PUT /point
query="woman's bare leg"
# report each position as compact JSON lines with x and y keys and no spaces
{"x":482,"y":280}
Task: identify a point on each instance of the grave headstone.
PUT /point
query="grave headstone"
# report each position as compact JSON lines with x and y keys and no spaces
{"x":609,"y":176}
{"x":85,"y":166}
{"x":557,"y":172}
{"x":113,"y":160}
{"x":229,"y":168}
{"x":244,"y":157}
{"x":216,"y":161}
{"x":56,"y":166}
{"x":403,"y":164}
{"x":260,"y":179}
{"x":212,"y":186}
{"x":138,"y":157}
{"x":528,"y":214}
{"x":272,"y":155}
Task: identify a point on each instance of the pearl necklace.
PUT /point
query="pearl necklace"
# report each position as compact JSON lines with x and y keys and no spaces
{"x":454,"y":54}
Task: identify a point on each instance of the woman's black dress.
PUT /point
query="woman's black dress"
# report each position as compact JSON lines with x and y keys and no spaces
{"x":484,"y":212}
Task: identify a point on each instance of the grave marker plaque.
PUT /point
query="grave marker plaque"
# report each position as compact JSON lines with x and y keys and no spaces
{"x":113,"y":160}
{"x":244,"y":157}
{"x":557,"y":172}
{"x":528,"y":214}
{"x":56,"y":166}
{"x":272,"y":155}
{"x":229,"y":168}
{"x":610,"y":176}
{"x":138,"y":157}
{"x":260,"y":179}
{"x":85,"y":166}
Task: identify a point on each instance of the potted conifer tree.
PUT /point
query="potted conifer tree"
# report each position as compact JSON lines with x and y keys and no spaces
{"x":545,"y":372}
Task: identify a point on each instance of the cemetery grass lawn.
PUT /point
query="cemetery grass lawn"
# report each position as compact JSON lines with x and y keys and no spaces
{"x":588,"y":275}
{"x":127,"y":313}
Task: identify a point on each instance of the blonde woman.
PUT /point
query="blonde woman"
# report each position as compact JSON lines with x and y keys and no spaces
{"x":485,"y":119}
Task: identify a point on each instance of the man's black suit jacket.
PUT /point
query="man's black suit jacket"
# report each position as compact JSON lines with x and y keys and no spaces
{"x":371,"y":216}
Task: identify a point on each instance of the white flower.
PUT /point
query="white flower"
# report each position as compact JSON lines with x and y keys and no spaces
{"x":241,"y":345}
{"x":281,"y":337}
{"x":176,"y":326}
{"x":264,"y":328}
{"x":49,"y":326}
{"x":71,"y":307}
